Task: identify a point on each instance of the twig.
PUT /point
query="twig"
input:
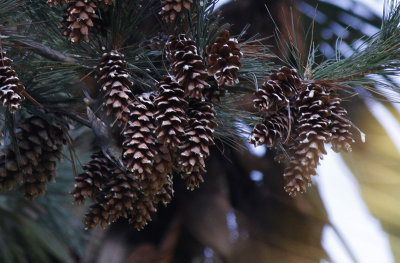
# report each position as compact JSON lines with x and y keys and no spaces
{"x":45,"y":51}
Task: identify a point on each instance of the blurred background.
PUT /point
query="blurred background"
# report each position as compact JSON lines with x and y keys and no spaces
{"x":241,"y":213}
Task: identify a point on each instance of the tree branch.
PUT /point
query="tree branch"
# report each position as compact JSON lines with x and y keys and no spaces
{"x":45,"y":51}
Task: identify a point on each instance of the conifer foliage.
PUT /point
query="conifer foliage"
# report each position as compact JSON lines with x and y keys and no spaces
{"x":162,"y":100}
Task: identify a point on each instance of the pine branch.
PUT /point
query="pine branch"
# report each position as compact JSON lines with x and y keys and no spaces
{"x":45,"y":51}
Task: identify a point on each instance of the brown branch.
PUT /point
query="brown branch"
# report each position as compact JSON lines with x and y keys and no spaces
{"x":45,"y":51}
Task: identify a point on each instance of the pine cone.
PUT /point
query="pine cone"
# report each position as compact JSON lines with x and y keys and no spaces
{"x":223,"y":59}
{"x":91,"y":182}
{"x":97,"y":215}
{"x":40,"y":146}
{"x":166,"y":193}
{"x":188,"y":65}
{"x":10,"y":86}
{"x":122,"y":191}
{"x":312,"y":130}
{"x":115,"y":84}
{"x":277,"y":91}
{"x":273,"y":129}
{"x":140,"y":215}
{"x":171,"y":9}
{"x":163,"y":160}
{"x":121,"y":198}
{"x":341,"y":138}
{"x":140,"y":151}
{"x":195,"y":177}
{"x":170,"y":115}
{"x":79,"y":19}
{"x":199,"y":137}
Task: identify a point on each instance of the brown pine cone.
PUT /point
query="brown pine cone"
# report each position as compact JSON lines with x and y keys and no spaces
{"x":125,"y":199}
{"x":120,"y":196}
{"x":194,"y":178}
{"x":177,"y":44}
{"x":40,"y":145}
{"x":274,"y":128}
{"x":11,"y":87}
{"x":116,"y":85}
{"x":199,"y":137}
{"x":140,"y":152}
{"x":140,"y":216}
{"x":139,"y":143}
{"x":342,"y":137}
{"x":171,"y":9}
{"x":166,"y":193}
{"x":122,"y":191}
{"x":188,"y":65}
{"x":277,"y":91}
{"x":91,"y":182}
{"x":312,"y":129}
{"x":79,"y":19}
{"x":223,"y":59}
{"x":170,"y":113}
{"x":97,"y":215}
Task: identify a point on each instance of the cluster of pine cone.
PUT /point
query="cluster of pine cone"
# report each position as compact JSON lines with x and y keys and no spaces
{"x":299,"y":118}
{"x":165,"y":132}
{"x":80,"y":18}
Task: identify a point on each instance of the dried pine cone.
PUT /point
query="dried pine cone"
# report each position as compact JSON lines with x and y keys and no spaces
{"x":312,"y":129}
{"x":170,"y":115}
{"x":97,"y":215}
{"x":79,"y":19}
{"x":277,"y":91}
{"x":139,"y":143}
{"x":341,"y":138}
{"x":40,"y":145}
{"x":199,"y":137}
{"x":223,"y":59}
{"x":10,"y":86}
{"x":115,"y":84}
{"x":188,"y":65}
{"x":274,"y":128}
{"x":91,"y":182}
{"x":171,"y":9}
{"x":166,"y":193}
{"x":122,"y":191}
{"x":140,"y":153}
{"x":121,"y":198}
